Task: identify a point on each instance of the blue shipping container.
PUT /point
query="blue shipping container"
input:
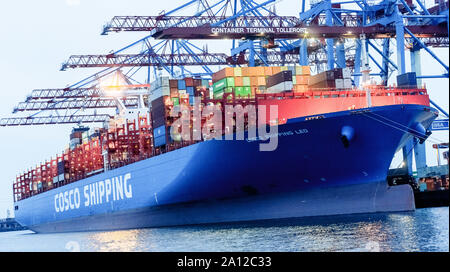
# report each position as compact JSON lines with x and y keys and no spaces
{"x":159,"y":136}
{"x":190,"y":91}
{"x":181,"y":84}
{"x":159,"y":141}
{"x":159,"y":131}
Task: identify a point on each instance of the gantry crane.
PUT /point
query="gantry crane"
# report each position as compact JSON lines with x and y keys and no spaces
{"x":359,"y":34}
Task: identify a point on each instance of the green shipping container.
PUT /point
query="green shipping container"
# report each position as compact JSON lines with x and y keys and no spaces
{"x":219,"y":85}
{"x":246,"y":91}
{"x":230,"y":81}
{"x":218,"y":95}
{"x":246,"y":81}
{"x":176,"y":101}
{"x":238,"y":91}
{"x":229,"y":89}
{"x":223,"y":83}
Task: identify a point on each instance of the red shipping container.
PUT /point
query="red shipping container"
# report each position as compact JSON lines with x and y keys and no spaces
{"x":189,"y":82}
{"x":184,"y":101}
{"x":226,"y":72}
{"x":173,"y":83}
{"x":197,"y":82}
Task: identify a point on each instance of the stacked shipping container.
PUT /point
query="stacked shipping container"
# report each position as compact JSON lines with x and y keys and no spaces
{"x":246,"y":82}
{"x":166,"y":93}
{"x":125,"y":141}
{"x":118,"y":146}
{"x":338,"y":78}
{"x":407,"y":80}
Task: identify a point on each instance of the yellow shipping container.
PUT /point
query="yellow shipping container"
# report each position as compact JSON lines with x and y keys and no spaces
{"x":283,"y":68}
{"x":237,"y":71}
{"x":298,"y":70}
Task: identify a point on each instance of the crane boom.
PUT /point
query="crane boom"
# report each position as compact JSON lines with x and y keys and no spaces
{"x":49,"y":120}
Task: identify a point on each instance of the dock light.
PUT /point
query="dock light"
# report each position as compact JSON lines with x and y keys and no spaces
{"x":113,"y":84}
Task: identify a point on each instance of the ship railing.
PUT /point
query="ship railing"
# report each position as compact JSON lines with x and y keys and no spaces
{"x":333,"y":93}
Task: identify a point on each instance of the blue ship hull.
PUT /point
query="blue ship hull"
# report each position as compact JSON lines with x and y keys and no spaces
{"x":310,"y":173}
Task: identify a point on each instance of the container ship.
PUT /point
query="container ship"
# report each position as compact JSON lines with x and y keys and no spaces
{"x":332,"y":145}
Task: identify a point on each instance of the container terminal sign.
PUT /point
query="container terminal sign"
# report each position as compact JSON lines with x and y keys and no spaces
{"x":258,"y":30}
{"x":439,"y":125}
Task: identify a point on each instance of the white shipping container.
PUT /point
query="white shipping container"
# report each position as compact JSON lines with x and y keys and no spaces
{"x":158,"y":83}
{"x":346,"y":73}
{"x":157,"y":93}
{"x":281,"y":87}
{"x":347,"y":83}
{"x":58,"y":178}
{"x":339,"y":83}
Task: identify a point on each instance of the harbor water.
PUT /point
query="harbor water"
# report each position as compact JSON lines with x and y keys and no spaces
{"x":422,"y":230}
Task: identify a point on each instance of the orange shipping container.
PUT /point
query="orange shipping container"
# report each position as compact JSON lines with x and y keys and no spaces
{"x":300,"y":88}
{"x":302,"y":80}
{"x":259,"y":71}
{"x":245,"y":71}
{"x":256,"y":71}
{"x":306,"y":70}
{"x":226,"y":72}
{"x":253,"y":81}
{"x":252,"y":71}
{"x":261,"y":81}
{"x":238,"y":82}
{"x":268,"y":71}
{"x":276,"y":70}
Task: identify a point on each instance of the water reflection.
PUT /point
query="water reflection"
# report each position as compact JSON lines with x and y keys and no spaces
{"x":123,"y":241}
{"x":422,"y":230}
